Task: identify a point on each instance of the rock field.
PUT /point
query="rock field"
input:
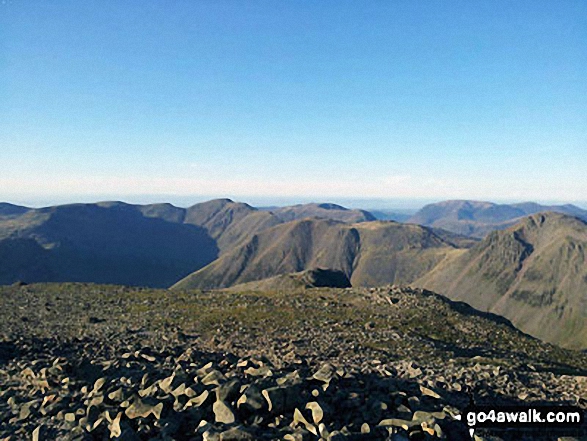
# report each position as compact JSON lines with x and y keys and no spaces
{"x":91,"y":362}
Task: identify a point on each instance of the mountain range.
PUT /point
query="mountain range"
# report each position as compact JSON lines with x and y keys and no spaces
{"x":478,"y":218}
{"x":529,"y":269}
{"x":324,"y":210}
{"x":369,"y":253}
{"x":151,"y":245}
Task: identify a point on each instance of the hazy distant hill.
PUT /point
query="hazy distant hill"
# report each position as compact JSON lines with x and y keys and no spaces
{"x":369,"y":253}
{"x":11,"y":209}
{"x":394,"y":215}
{"x":534,"y":273}
{"x":477,"y":219}
{"x":324,"y":211}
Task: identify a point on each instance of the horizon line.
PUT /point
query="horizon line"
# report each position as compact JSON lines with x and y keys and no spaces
{"x":181,"y":201}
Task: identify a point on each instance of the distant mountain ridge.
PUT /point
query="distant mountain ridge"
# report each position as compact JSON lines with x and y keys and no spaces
{"x":478,"y":218}
{"x":394,"y":215}
{"x":324,"y":211}
{"x":115,"y":242}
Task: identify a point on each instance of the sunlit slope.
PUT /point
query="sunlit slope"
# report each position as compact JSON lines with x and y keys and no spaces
{"x":229,"y":223}
{"x":370,"y":253}
{"x":534,"y":273}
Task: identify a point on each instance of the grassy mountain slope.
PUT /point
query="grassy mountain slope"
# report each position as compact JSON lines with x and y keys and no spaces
{"x":477,"y":219}
{"x":369,"y":253}
{"x":534,"y":273}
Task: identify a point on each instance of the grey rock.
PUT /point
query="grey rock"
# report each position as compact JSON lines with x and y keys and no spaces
{"x":228,"y":391}
{"x":325,"y":373}
{"x":142,"y":409}
{"x":236,"y":434}
{"x":282,"y":399}
{"x":213,"y":377}
{"x":251,"y":400}
{"x":223,"y":413}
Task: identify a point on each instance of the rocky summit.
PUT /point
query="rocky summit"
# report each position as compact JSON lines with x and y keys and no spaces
{"x":96,"y":362}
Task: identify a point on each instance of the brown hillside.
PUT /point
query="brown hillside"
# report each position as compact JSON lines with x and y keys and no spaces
{"x":534,"y":273}
{"x":370,"y":253}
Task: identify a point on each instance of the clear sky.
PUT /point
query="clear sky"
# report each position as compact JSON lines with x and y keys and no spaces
{"x":324,"y":100}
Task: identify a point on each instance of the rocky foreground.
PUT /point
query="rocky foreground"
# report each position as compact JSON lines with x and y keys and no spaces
{"x":89,"y":362}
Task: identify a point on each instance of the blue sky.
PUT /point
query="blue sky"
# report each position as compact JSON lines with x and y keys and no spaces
{"x":298,"y":100}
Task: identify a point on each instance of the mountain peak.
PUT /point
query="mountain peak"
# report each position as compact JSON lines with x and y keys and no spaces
{"x":534,"y":273}
{"x":548,"y":219}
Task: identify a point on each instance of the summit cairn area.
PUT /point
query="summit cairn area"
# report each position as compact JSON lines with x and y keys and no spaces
{"x":95,"y":362}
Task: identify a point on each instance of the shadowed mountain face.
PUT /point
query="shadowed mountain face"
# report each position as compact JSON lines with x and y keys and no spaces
{"x":324,"y":211}
{"x":369,"y":253}
{"x":24,"y":259}
{"x":11,"y":210}
{"x":534,"y":273}
{"x":103,"y":243}
{"x":477,"y":219}
{"x":113,"y":242}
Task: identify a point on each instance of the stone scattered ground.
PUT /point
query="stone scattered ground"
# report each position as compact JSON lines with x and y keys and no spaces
{"x":92,"y":362}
